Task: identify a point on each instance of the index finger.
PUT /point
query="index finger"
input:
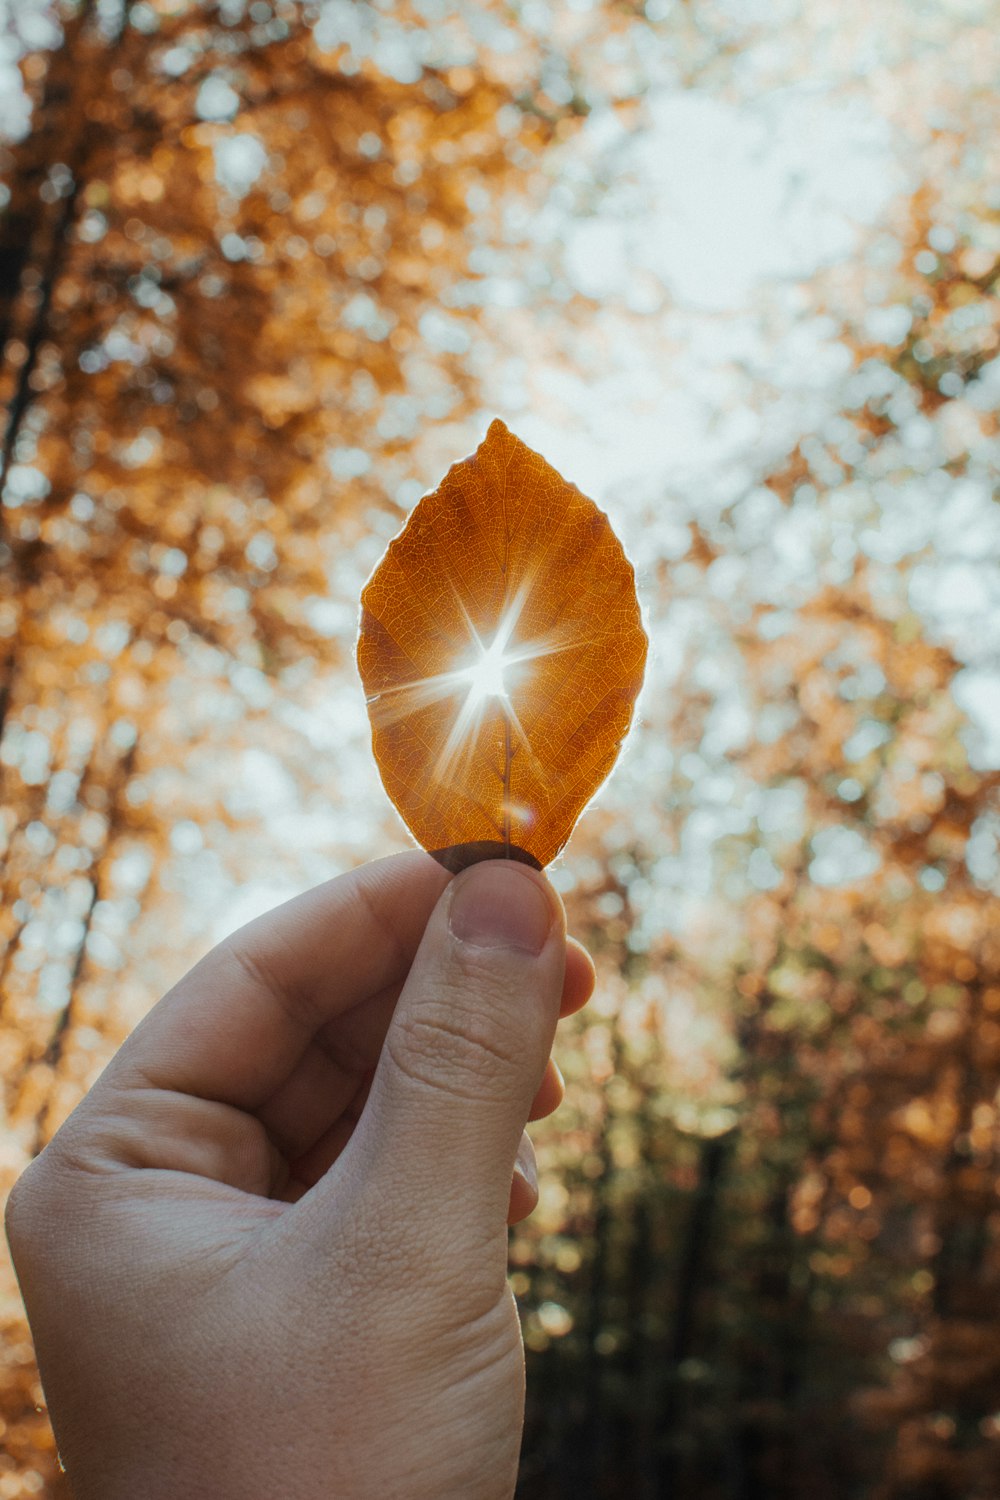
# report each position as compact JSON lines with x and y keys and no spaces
{"x":234,"y":1027}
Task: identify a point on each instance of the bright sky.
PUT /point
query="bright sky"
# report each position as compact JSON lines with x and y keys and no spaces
{"x":700,"y":254}
{"x":714,"y":214}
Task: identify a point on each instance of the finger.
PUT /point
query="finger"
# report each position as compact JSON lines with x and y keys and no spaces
{"x":313,"y":1159}
{"x":234,"y":1028}
{"x":307,"y":1103}
{"x":306,"y":1169}
{"x":310,"y":1101}
{"x":465,"y":1055}
{"x":524,"y":1183}
{"x":581,"y":976}
{"x":551,"y":1092}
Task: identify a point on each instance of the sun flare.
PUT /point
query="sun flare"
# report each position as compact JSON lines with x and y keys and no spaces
{"x":487,"y":677}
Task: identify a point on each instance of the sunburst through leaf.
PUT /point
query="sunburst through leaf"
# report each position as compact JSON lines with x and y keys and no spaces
{"x":501,"y":651}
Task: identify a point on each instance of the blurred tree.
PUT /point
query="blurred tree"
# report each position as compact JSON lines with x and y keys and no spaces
{"x":231,"y":265}
{"x":212,"y":333}
{"x":239,"y":268}
{"x":811,"y":1219}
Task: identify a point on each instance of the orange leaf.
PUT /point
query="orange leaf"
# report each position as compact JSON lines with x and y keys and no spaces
{"x":501,"y":652}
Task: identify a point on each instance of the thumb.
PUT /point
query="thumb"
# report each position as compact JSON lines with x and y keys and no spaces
{"x":465,"y":1054}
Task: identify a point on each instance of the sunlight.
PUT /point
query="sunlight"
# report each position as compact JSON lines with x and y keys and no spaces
{"x":490,"y":679}
{"x":486,"y":677}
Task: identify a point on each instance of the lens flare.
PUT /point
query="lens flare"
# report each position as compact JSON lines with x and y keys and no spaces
{"x":490,"y":677}
{"x":487,"y":677}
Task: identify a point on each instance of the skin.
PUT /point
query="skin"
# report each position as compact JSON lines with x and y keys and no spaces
{"x":266,"y":1255}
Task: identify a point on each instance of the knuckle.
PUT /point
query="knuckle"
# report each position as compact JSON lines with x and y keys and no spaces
{"x":450,"y":1048}
{"x":21,"y":1211}
{"x":12,"y":1220}
{"x":55,"y":1187}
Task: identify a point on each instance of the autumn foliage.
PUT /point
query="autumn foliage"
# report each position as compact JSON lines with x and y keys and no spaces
{"x":244,"y":265}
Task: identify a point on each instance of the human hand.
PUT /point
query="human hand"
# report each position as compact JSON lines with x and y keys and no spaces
{"x":255,"y":1271}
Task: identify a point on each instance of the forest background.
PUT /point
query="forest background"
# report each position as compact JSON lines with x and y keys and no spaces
{"x":266,"y":268}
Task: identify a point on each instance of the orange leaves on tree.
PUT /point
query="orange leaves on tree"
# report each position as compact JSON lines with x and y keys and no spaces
{"x":501,"y":652}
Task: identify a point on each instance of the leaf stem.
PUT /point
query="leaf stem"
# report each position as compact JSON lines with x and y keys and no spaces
{"x":507,"y":758}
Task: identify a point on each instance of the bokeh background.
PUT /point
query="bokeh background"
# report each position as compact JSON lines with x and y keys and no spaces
{"x":266,"y":269}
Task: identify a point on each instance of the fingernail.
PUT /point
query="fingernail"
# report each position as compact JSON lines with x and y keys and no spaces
{"x":525,"y":1164}
{"x":499,"y":905}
